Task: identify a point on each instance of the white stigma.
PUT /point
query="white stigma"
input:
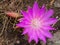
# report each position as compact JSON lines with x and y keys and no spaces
{"x":35,"y":23}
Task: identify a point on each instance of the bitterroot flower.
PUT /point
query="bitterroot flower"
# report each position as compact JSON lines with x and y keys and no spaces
{"x":37,"y":23}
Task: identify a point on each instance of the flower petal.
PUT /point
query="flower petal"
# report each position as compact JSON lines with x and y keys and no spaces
{"x":46,"y":33}
{"x":35,"y":9}
{"x":22,"y":25}
{"x":42,"y":11}
{"x":30,"y":12}
{"x":26,"y":15}
{"x":41,"y":36}
{"x":48,"y":13}
{"x":48,"y":28}
{"x":50,"y":21}
{"x":25,"y":31}
{"x":33,"y":36}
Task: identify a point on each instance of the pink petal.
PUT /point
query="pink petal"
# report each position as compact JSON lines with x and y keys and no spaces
{"x":26,"y":15}
{"x":22,"y":25}
{"x":25,"y":21}
{"x":30,"y":39}
{"x":41,"y":36}
{"x":51,"y":21}
{"x":30,"y":12}
{"x":46,"y":33}
{"x":33,"y":36}
{"x":25,"y":31}
{"x":48,"y":28}
{"x":49,"y":13}
{"x":30,"y":34}
{"x":43,"y":6}
{"x":42,"y":11}
{"x":35,"y":9}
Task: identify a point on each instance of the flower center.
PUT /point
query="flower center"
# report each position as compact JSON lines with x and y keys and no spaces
{"x":35,"y":23}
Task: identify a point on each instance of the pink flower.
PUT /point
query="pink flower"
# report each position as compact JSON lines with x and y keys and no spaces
{"x":37,"y":23}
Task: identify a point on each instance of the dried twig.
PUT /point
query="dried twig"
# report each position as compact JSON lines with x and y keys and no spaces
{"x":51,"y":3}
{"x":4,"y":24}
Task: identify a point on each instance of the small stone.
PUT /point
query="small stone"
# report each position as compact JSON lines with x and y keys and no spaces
{"x":56,"y":39}
{"x":57,"y":3}
{"x":57,"y":17}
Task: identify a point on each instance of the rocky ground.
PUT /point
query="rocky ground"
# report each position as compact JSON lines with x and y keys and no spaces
{"x":9,"y":35}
